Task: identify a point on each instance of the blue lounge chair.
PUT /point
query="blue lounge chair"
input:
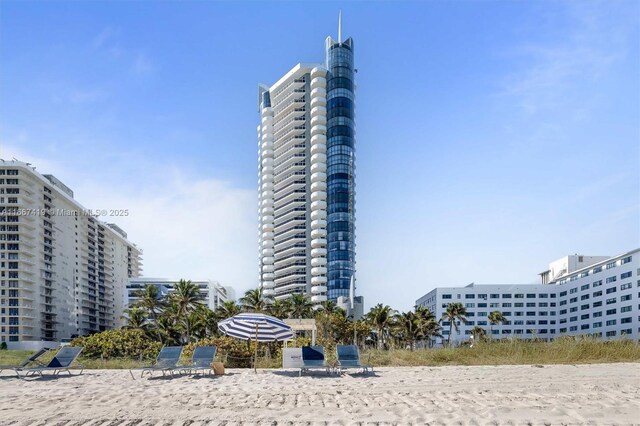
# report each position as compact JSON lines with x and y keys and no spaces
{"x":32,"y":359}
{"x":167,"y":362}
{"x":202,"y":359}
{"x":349,"y":357}
{"x":313,"y":358}
{"x":61,"y":362}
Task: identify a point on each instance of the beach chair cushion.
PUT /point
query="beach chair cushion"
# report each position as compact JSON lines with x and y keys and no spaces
{"x":203,"y":356}
{"x":313,"y":356}
{"x":65,"y":357}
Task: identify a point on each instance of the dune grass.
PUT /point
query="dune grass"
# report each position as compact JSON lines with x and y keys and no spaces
{"x":504,"y":352}
{"x":512,"y":352}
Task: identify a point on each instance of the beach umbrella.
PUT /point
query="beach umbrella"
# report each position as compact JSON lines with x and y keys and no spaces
{"x":257,"y":327}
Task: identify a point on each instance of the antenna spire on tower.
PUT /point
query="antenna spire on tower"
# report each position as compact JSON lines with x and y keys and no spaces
{"x":340,"y":26}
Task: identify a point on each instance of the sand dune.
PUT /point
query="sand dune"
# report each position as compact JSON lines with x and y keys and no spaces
{"x":585,"y":394}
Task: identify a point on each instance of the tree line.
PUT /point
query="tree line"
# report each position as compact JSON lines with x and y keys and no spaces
{"x":182,"y":317}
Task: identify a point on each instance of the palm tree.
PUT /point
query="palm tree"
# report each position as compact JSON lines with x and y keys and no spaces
{"x":279,"y":308}
{"x":136,"y":318}
{"x":185,"y":299}
{"x":455,"y":312}
{"x":380,"y":318}
{"x":301,"y":307}
{"x":407,"y":327}
{"x":255,"y":301}
{"x":427,"y":323}
{"x":495,"y":317}
{"x":228,"y":309}
{"x":150,"y":300}
{"x":478,"y":333}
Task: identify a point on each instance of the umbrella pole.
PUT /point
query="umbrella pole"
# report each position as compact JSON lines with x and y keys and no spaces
{"x":255,"y":358}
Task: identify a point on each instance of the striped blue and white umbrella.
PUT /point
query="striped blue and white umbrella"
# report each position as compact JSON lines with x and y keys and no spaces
{"x":257,"y":327}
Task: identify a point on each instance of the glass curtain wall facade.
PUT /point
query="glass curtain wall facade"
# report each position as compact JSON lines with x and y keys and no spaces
{"x":340,"y":167}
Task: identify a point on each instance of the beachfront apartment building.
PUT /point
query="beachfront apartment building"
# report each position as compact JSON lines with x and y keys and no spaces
{"x":306,"y":178}
{"x":212,"y":292}
{"x":579,"y":295}
{"x":62,"y":271}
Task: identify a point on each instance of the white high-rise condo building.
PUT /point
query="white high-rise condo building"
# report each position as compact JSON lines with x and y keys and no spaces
{"x":579,"y":295}
{"x":306,"y":172}
{"x":62,"y":271}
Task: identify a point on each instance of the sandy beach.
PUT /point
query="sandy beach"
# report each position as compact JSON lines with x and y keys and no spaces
{"x":536,"y":395}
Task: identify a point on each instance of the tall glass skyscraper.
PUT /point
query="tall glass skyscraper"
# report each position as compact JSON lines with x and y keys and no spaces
{"x":306,"y":162}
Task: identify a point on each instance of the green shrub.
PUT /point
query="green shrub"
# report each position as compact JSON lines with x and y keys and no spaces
{"x":118,"y":344}
{"x":233,"y":352}
{"x":3,"y":346}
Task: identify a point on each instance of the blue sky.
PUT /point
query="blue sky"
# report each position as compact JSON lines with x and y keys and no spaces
{"x":492,"y":137}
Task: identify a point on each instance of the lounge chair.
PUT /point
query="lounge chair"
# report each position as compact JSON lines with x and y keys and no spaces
{"x":202,"y":359}
{"x":313,"y":358}
{"x":61,"y":362}
{"x":167,"y":362}
{"x":32,"y":359}
{"x":349,"y":357}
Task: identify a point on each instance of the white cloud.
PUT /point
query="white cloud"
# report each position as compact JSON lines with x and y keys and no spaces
{"x":142,"y":64}
{"x":188,"y":227}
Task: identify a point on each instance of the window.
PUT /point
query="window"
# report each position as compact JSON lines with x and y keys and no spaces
{"x":597,"y":324}
{"x":583,"y":307}
{"x":446,"y":296}
{"x":531,"y":304}
{"x":611,"y":333}
{"x":573,"y":300}
{"x":543,"y":304}
{"x":494,"y":296}
{"x":611,"y":265}
{"x":584,"y":316}
{"x":469,"y":305}
{"x":584,"y":287}
{"x":597,"y":314}
{"x":625,"y":298}
{"x":469,"y":296}
{"x":597,"y":293}
{"x":625,"y":275}
{"x":597,"y":284}
{"x":573,"y":328}
{"x":625,"y":286}
{"x":563,"y":293}
{"x":482,"y":305}
{"x":597,"y":304}
{"x":506,"y":296}
{"x":482,"y":323}
{"x":543,"y":295}
{"x":625,"y":260}
{"x":482,"y":314}
{"x":611,"y":290}
{"x":531,"y":313}
{"x":563,"y":302}
{"x":584,"y":297}
{"x":494,"y":305}
{"x":611,"y":279}
{"x":563,"y":311}
{"x":573,"y":309}
{"x":584,"y":327}
{"x":573,"y":290}
{"x":563,"y":330}
{"x":519,"y":304}
{"x":625,"y":309}
{"x":506,"y":305}
{"x":611,"y":322}
{"x":531,"y":296}
{"x":542,"y":322}
{"x":573,"y":319}
{"x":611,"y":301}
{"x":519,"y":296}
{"x":626,"y":320}
{"x":482,"y":296}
